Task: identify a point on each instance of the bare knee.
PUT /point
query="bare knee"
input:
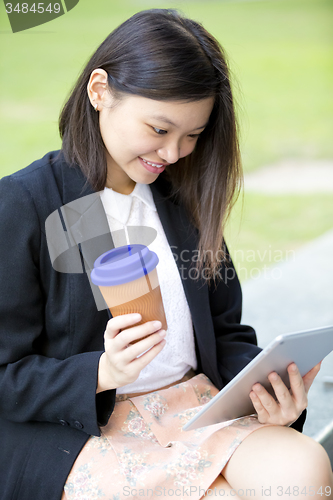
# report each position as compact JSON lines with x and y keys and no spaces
{"x":313,"y":459}
{"x":221,"y":488}
{"x":279,"y":456}
{"x":321,"y":463}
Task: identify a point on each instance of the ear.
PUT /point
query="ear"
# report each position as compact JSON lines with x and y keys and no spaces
{"x":97,"y":88}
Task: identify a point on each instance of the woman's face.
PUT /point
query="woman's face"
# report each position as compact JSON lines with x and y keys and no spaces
{"x":137,"y":129}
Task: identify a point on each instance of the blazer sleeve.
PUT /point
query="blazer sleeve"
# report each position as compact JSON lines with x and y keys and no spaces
{"x":34,"y":387}
{"x":236,"y":344}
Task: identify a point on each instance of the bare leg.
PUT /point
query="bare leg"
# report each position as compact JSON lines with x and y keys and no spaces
{"x":279,"y":463}
{"x":220,"y":488}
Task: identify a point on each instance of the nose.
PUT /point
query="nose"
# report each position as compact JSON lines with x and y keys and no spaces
{"x":169,"y":153}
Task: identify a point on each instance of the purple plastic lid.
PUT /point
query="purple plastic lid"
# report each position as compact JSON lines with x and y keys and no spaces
{"x":123,"y":264}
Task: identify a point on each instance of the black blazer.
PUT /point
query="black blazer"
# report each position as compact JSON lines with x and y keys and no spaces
{"x":51,"y":332}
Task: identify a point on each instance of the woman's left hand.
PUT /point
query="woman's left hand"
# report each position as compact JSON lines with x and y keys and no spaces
{"x":289,"y":404}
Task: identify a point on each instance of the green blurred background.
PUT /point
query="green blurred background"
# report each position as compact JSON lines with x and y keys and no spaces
{"x":280,"y":53}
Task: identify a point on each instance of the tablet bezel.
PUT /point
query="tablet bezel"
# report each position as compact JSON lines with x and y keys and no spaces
{"x":305,"y":348}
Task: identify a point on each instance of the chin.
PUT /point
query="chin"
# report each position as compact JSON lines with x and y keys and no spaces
{"x":145,"y":179}
{"x":148,"y":182}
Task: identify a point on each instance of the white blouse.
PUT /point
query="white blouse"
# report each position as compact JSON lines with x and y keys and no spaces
{"x":178,"y":355}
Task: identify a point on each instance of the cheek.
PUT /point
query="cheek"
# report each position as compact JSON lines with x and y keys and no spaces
{"x":142,"y":145}
{"x":114,"y":131}
{"x":187,"y":149}
{"x":127,"y":139}
{"x":107,"y":133}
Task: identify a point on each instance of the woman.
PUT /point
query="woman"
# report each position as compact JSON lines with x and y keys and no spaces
{"x":149,"y":130}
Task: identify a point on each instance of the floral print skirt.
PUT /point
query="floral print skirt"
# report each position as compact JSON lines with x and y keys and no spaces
{"x":144,"y":453}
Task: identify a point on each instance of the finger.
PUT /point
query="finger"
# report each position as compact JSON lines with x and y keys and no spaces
{"x":310,"y":376}
{"x":131,"y":336}
{"x":282,"y":392}
{"x":288,"y":407}
{"x":297,"y":387}
{"x":133,"y":365}
{"x":137,"y":349}
{"x":262,"y":413}
{"x":266,"y":400}
{"x":118,"y":323}
{"x":139,"y":363}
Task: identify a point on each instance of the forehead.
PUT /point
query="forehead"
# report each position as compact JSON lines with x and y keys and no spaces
{"x":175,"y":113}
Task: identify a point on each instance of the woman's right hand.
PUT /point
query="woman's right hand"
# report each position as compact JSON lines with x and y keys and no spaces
{"x":119,"y":364}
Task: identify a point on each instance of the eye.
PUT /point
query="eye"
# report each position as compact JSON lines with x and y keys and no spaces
{"x":194,"y":136}
{"x":159,"y":131}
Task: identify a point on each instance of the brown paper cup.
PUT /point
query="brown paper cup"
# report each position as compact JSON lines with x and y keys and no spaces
{"x":145,"y":298}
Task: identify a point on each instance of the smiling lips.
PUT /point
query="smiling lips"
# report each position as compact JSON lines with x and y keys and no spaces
{"x":156,"y":165}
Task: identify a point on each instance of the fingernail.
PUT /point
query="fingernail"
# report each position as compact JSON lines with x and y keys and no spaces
{"x":157,"y":324}
{"x":273,"y":376}
{"x":162,"y":333}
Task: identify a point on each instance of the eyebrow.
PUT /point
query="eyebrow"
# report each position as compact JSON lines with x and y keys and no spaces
{"x":166,"y":120}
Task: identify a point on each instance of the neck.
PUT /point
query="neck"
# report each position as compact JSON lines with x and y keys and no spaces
{"x":124,"y":189}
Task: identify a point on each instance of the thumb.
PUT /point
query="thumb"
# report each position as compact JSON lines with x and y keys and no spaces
{"x":310,"y":376}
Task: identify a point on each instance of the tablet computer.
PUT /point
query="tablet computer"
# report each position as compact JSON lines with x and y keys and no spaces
{"x":305,"y":348}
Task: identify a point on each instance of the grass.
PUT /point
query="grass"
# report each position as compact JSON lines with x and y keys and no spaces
{"x":280,"y":53}
{"x":266,"y":230}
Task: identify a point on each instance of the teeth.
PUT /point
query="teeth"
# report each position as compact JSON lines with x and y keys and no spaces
{"x":153,"y":164}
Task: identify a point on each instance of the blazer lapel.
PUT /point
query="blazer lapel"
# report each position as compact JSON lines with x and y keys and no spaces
{"x":88,"y":228}
{"x":183,"y":239}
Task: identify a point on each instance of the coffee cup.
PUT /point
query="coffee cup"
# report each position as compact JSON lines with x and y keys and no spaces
{"x":127,"y":278}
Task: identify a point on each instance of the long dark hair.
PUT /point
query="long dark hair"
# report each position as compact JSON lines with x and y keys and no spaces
{"x":162,"y":55}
